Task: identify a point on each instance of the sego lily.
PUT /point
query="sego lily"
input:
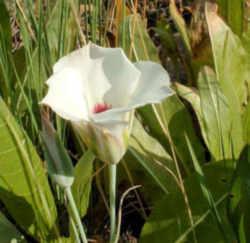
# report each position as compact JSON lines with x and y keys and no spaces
{"x":97,"y":89}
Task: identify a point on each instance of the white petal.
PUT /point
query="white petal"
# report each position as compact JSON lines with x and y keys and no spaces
{"x":65,"y":95}
{"x":95,"y":81}
{"x":120,"y":120}
{"x":97,"y":84}
{"x":77,"y":59}
{"x":153,"y":86}
{"x":115,"y":124}
{"x":114,"y":127}
{"x":120,"y":72}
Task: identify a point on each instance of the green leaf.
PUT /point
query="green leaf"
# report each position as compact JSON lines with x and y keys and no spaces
{"x":138,"y":45}
{"x":213,"y":113}
{"x":175,"y":115}
{"x":205,"y":191}
{"x":59,"y":164}
{"x":8,"y":232}
{"x":169,"y":219}
{"x":230,"y":59}
{"x":233,"y":11}
{"x":82,"y":184}
{"x":191,"y":95}
{"x":231,"y":67}
{"x":240,"y":197}
{"x":216,"y":117}
{"x":24,"y":187}
{"x":152,"y":156}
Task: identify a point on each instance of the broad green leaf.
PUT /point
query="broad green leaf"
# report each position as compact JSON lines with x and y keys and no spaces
{"x":216,"y":118}
{"x":169,"y":221}
{"x":138,"y":45}
{"x":213,"y":113}
{"x":24,"y":187}
{"x":191,"y":95}
{"x":8,"y":232}
{"x":231,"y":68}
{"x":152,"y":156}
{"x":240,"y":197}
{"x":174,"y":115}
{"x":230,"y":59}
{"x":233,"y":11}
{"x":82,"y":184}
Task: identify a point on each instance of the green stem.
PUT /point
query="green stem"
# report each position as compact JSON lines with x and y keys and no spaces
{"x":112,"y":193}
{"x":75,"y":230}
{"x":76,"y":214}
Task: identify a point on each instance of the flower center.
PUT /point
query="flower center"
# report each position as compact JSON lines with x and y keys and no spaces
{"x":101,"y":108}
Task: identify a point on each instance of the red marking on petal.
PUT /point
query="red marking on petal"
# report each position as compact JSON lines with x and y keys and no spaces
{"x":101,"y":108}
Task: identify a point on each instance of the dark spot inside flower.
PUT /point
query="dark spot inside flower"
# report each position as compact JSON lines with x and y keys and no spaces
{"x":101,"y":108}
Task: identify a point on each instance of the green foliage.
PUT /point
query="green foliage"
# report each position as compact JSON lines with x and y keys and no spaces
{"x":235,"y":19}
{"x":152,"y":156}
{"x":173,"y":114}
{"x":228,"y":53}
{"x":82,"y":183}
{"x":169,"y":220}
{"x":59,"y":164}
{"x":24,"y":188}
{"x":8,"y":231}
{"x":134,"y":39}
{"x":240,"y":197}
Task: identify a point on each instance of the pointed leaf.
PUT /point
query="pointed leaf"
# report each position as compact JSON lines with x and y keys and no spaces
{"x":231,"y":67}
{"x":59,"y":164}
{"x":216,"y":117}
{"x":24,"y":187}
{"x":82,"y":184}
{"x":230,"y":59}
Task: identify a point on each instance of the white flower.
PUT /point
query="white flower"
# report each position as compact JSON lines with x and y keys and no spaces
{"x":97,"y":89}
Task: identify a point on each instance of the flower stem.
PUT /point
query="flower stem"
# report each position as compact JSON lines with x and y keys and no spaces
{"x":112,"y":194}
{"x":77,"y":239}
{"x":76,"y":214}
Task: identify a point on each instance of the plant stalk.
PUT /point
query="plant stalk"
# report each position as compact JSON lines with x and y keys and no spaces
{"x":76,"y":214}
{"x":112,"y":194}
